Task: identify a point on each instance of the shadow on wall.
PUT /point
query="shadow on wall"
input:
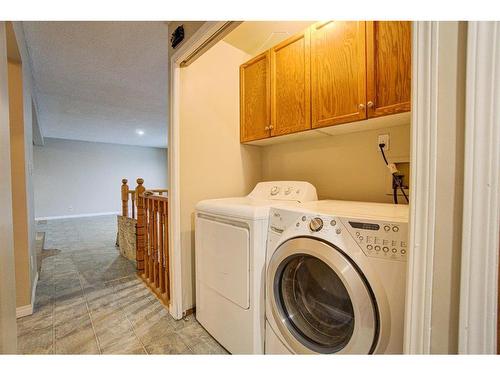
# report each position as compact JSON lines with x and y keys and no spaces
{"x":343,"y":166}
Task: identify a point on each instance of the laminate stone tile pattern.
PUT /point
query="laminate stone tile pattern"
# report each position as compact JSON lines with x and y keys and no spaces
{"x":89,"y":300}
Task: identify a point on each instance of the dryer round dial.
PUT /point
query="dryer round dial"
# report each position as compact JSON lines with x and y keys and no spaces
{"x":275,"y":190}
{"x":316,"y":224}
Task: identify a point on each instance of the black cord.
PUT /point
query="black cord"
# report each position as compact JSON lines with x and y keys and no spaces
{"x":382,"y":145}
{"x":397,"y":182}
{"x":400,"y":184}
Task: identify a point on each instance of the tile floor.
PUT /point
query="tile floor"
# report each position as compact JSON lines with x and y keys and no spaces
{"x":89,"y":301}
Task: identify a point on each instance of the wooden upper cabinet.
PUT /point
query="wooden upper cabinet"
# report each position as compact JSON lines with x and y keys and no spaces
{"x":338,"y":72}
{"x":255,"y":107}
{"x":332,"y":73}
{"x":388,"y":48}
{"x":290,"y":85}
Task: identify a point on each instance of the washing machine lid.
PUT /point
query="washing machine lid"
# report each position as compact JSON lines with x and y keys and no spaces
{"x":320,"y":301}
{"x":358,"y":210}
{"x":244,"y":207}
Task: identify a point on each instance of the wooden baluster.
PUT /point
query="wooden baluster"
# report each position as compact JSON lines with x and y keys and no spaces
{"x":151,"y":238}
{"x":161,"y":246}
{"x":167,"y":254}
{"x":140,"y":230}
{"x":124,"y":197}
{"x":132,"y":196}
{"x":146,"y":245}
{"x":147,"y":257}
{"x":154,"y":248}
{"x":157,"y":250}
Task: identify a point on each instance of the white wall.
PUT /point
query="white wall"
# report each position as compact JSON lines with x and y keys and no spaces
{"x":78,"y":178}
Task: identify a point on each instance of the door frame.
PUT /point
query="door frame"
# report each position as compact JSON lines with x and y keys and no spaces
{"x":477,"y":330}
{"x":199,"y":38}
{"x":417,"y":332}
{"x":481,"y":213}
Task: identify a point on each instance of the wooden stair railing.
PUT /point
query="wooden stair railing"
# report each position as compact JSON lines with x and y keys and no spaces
{"x":129,"y":197}
{"x":150,"y":208}
{"x":152,"y":243}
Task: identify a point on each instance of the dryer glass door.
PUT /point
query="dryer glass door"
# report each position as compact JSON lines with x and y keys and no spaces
{"x":316,"y":303}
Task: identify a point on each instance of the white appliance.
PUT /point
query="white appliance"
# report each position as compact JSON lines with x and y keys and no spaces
{"x":336,"y":275}
{"x":230,"y":257}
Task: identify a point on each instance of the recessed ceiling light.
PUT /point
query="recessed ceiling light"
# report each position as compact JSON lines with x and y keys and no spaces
{"x":139,"y":131}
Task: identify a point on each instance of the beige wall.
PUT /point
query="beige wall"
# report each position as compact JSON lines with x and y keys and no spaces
{"x":8,"y":331}
{"x":341,"y":166}
{"x":213,"y":164}
{"x":449,"y":204}
{"x":28,"y":142}
{"x":19,"y":186}
{"x":21,"y":138}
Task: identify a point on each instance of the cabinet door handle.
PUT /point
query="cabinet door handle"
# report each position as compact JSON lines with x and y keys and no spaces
{"x":266,"y":128}
{"x":271,"y":127}
{"x":361,"y":106}
{"x":369,"y":104}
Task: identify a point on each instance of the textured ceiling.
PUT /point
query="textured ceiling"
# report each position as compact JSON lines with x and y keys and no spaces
{"x":101,"y":81}
{"x":254,"y":37}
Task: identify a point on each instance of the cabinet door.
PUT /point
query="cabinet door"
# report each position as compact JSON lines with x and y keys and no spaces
{"x":338,"y":72}
{"x":290,"y":85}
{"x":388,"y":48}
{"x":255,"y":107}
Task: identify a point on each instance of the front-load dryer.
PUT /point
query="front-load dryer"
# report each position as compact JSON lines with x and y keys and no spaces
{"x":336,"y":276}
{"x":230,"y":258}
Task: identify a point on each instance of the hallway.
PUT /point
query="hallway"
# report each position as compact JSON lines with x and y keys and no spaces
{"x":89,"y":301}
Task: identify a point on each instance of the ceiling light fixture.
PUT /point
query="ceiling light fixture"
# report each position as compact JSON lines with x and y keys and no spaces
{"x":139,"y":131}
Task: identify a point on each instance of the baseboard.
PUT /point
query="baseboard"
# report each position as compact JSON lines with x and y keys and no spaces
{"x":28,"y":309}
{"x":78,"y":215}
{"x":25,"y":310}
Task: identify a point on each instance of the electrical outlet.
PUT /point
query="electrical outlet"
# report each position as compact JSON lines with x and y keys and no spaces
{"x":383,"y":138}
{"x":70,"y":208}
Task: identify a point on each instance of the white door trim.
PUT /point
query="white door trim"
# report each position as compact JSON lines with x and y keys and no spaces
{"x":175,"y":250}
{"x":425,"y":46}
{"x":481,"y":223}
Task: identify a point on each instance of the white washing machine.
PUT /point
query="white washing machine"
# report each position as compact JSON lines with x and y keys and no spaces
{"x":336,"y":278}
{"x":230,"y":258}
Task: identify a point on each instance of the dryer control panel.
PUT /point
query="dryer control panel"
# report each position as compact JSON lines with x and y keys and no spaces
{"x":298,"y":191}
{"x":380,"y":239}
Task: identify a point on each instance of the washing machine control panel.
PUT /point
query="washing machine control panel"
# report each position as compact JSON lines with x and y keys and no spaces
{"x":380,"y":239}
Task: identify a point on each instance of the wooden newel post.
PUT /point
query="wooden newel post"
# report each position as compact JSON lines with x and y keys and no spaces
{"x":140,"y":235}
{"x":124,"y":197}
